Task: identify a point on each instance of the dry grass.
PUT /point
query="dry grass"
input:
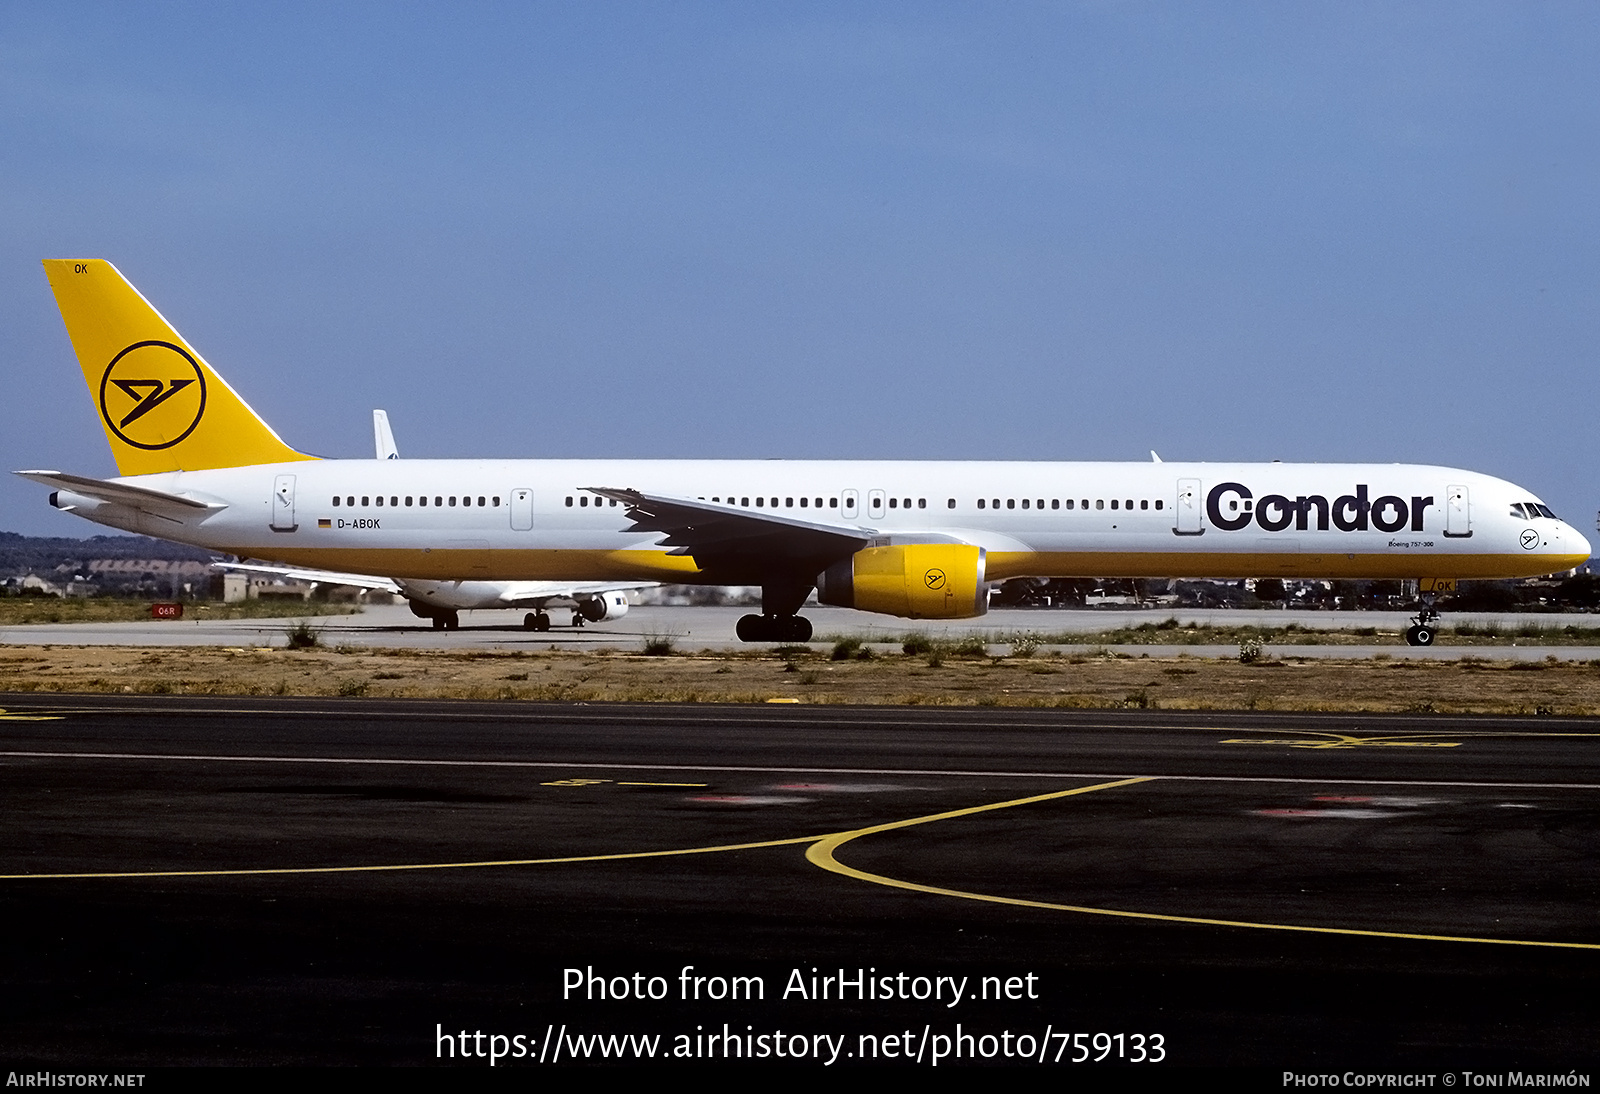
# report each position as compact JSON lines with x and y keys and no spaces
{"x":1077,"y":681}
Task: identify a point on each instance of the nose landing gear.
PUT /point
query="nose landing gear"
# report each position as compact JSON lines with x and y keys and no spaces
{"x":1424,"y":626}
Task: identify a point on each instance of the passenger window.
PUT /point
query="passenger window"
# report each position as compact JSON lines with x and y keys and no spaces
{"x":1055,"y":503}
{"x":480,"y":500}
{"x":583,"y":500}
{"x":408,"y":501}
{"x":980,"y":503}
{"x":1011,"y":503}
{"x":1158,"y":503}
{"x":365,"y":500}
{"x":453,"y":501}
{"x":497,"y":501}
{"x":803,"y":503}
{"x":833,"y":503}
{"x":423,"y":501}
{"x":1025,"y":503}
{"x":1113,"y":503}
{"x":336,"y":499}
{"x":569,"y":502}
{"x":922,"y":503}
{"x":438,"y":501}
{"x":1144,"y":504}
{"x":350,"y":500}
{"x":1070,"y":503}
{"x":394,"y":500}
{"x":951,"y":504}
{"x":1128,"y":504}
{"x":1100,"y":503}
{"x":788,"y":503}
{"x":894,"y":503}
{"x":746,"y":501}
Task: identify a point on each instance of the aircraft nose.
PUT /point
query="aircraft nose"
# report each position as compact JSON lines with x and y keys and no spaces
{"x":1575,"y":542}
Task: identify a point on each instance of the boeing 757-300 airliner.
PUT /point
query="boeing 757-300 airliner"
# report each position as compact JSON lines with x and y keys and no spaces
{"x":912,"y":539}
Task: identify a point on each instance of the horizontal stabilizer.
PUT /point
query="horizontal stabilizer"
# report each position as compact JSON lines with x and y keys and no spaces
{"x":121,"y":493}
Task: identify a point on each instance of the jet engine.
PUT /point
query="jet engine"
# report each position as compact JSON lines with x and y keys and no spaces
{"x":916,"y":580}
{"x":598,"y":609}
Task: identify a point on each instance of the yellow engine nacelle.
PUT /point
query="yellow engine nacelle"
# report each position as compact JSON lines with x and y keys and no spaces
{"x":917,"y":580}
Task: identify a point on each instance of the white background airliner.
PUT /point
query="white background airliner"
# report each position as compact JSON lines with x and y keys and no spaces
{"x":914,"y":539}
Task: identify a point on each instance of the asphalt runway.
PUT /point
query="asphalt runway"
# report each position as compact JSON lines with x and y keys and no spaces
{"x":695,"y":628}
{"x":312,"y":882}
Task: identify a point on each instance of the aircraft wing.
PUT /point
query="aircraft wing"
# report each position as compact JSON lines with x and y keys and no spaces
{"x":121,"y":493}
{"x":710,"y":531}
{"x":320,"y":577}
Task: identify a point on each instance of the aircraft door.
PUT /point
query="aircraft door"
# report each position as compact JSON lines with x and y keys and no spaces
{"x":1189,"y":511}
{"x":875,"y":504}
{"x":521,"y":509}
{"x":1457,"y":513}
{"x":283,"y":504}
{"x":849,"y":505}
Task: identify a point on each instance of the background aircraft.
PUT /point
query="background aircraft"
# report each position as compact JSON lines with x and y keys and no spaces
{"x":442,"y":601}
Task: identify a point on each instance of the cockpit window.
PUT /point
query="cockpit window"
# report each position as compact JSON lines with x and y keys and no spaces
{"x":1544,"y":511}
{"x":1517,"y":511}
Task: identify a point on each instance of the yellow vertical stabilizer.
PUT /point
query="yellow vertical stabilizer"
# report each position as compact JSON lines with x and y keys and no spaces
{"x":162,"y":406}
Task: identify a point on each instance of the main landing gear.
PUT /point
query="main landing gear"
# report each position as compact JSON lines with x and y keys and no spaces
{"x":446,"y":621}
{"x":536,"y":621}
{"x":773,"y":628}
{"x":1424,"y":626}
{"x":780,"y":600}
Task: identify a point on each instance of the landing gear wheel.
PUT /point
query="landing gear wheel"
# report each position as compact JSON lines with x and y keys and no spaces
{"x":451,"y":620}
{"x":773,"y":628}
{"x":541,"y":621}
{"x":438,"y":622}
{"x":1424,"y":627}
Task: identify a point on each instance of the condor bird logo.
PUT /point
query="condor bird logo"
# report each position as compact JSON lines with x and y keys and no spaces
{"x":152,"y":395}
{"x":934,"y":579}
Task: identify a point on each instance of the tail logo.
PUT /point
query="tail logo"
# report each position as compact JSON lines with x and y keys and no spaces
{"x":152,"y":395}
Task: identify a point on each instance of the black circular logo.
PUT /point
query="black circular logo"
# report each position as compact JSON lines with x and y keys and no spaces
{"x":933,"y":579}
{"x":1529,"y":539}
{"x":152,"y":395}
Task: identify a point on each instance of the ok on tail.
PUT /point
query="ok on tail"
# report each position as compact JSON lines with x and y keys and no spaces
{"x":162,"y":406}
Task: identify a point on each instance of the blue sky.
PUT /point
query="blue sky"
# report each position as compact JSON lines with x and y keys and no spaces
{"x":1334,"y":232}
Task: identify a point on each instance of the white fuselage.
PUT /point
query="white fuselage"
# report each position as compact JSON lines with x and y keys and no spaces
{"x":535,"y":520}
